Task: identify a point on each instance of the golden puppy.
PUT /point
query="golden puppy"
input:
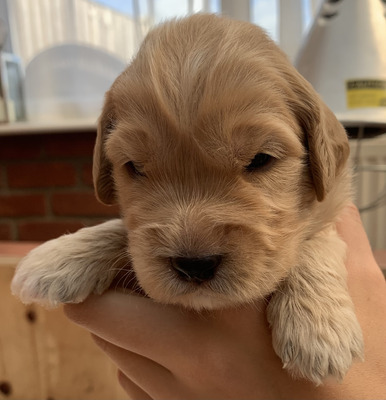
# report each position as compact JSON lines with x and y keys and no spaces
{"x":230,"y":173}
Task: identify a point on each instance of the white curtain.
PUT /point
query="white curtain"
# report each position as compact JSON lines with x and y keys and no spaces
{"x":39,"y":24}
{"x":56,"y":38}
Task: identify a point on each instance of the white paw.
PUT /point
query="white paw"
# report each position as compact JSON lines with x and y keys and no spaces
{"x":53,"y":274}
{"x":315,"y":343}
{"x":71,"y":267}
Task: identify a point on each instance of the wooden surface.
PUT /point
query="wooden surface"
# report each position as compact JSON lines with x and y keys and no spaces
{"x":42,"y":354}
{"x":48,"y":127}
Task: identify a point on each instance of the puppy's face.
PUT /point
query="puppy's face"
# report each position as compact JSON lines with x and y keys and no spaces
{"x":210,"y":163}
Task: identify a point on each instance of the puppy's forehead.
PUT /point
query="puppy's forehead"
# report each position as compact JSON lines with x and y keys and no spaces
{"x":202,"y":75}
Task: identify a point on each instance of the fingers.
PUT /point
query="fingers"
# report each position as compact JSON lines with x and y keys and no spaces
{"x":367,"y":288}
{"x":351,"y":230}
{"x":164,"y":350}
{"x":365,"y":280}
{"x":150,"y":329}
{"x":134,"y":392}
{"x":134,"y":323}
{"x":128,"y":321}
{"x":360,"y":260}
{"x":143,"y":375}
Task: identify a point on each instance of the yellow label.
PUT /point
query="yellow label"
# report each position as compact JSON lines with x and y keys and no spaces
{"x":365,"y":93}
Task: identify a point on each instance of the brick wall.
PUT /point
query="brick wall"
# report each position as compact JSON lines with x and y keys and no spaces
{"x":46,"y":186}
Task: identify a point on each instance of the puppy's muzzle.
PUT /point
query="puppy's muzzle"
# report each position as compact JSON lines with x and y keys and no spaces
{"x":197,"y":270}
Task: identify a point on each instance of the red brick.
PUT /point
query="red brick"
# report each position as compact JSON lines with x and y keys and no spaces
{"x":2,"y":176}
{"x":32,"y":175}
{"x":20,"y":147}
{"x":44,"y":230}
{"x":5,"y":232}
{"x":87,"y":175}
{"x":22,"y":205}
{"x":80,"y":204}
{"x":71,"y":145}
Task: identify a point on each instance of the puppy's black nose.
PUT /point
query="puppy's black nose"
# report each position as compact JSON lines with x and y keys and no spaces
{"x":196,"y":269}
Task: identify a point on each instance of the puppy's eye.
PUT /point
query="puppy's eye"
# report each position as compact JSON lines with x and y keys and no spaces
{"x":260,"y":161}
{"x":133,"y":169}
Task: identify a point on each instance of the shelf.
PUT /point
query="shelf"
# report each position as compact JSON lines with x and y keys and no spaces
{"x":47,"y":127}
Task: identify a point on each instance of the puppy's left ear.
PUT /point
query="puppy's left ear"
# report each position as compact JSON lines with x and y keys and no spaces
{"x":102,"y":167}
{"x":325,"y":139}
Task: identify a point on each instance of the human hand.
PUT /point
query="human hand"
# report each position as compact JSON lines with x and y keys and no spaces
{"x":165,"y":352}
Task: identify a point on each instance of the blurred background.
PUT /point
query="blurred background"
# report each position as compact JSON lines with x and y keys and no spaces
{"x":57,"y":59}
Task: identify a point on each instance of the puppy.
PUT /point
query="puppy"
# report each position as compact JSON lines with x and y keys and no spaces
{"x":230,"y":173}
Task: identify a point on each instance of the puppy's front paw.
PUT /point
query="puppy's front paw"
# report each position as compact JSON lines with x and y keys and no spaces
{"x":314,"y":341}
{"x":54,"y":273}
{"x":71,"y":267}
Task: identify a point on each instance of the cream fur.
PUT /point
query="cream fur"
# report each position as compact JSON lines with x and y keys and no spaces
{"x":203,"y":96}
{"x":69,"y":268}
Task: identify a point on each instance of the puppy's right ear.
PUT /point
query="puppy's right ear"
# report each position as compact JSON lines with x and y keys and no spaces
{"x":102,"y":167}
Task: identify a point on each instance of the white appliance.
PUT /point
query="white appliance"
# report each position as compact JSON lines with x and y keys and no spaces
{"x":344,"y":58}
